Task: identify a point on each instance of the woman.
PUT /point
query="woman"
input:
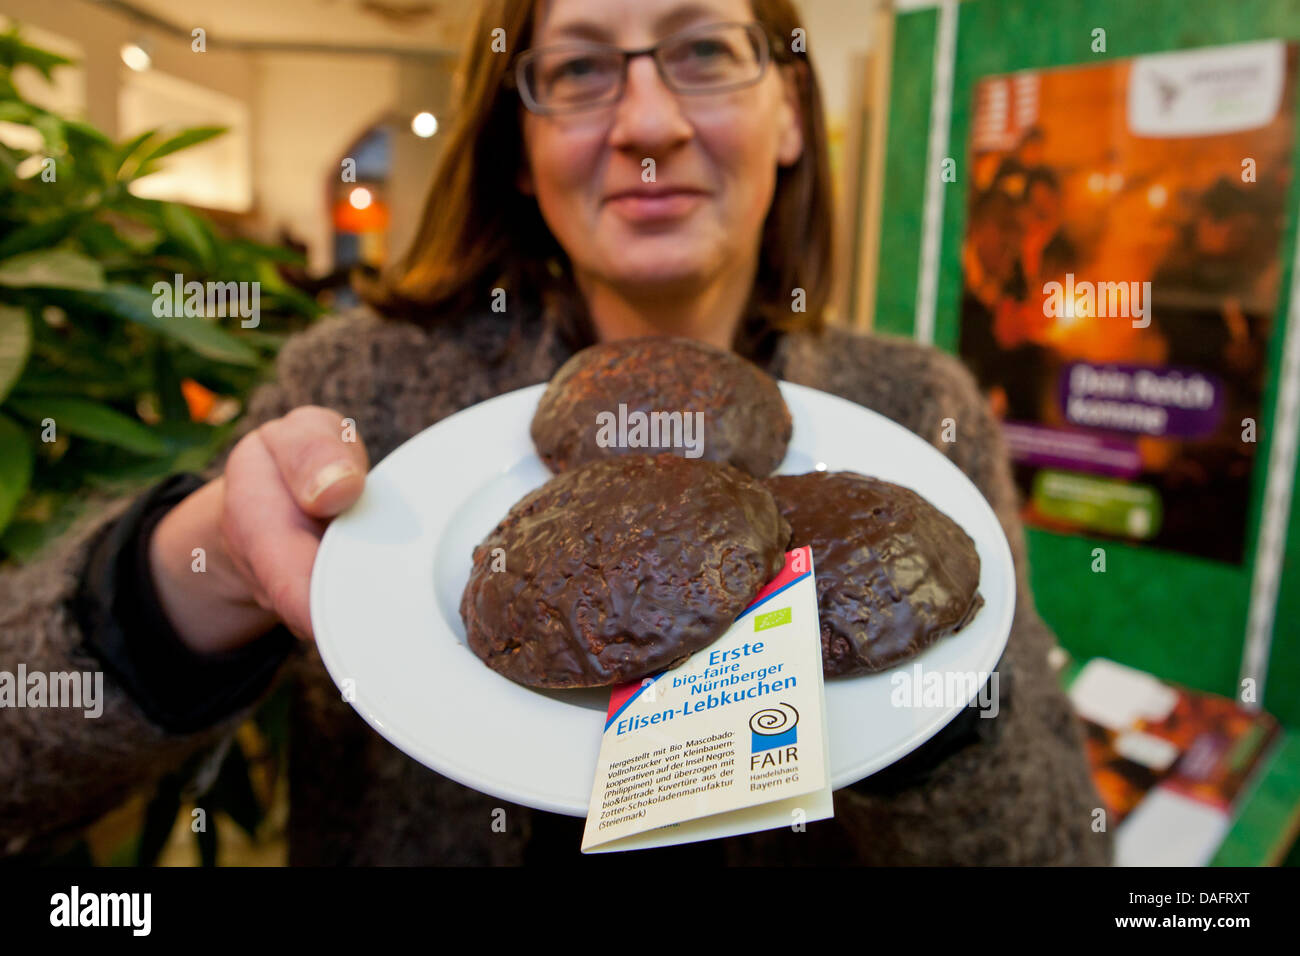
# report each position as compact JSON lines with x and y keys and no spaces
{"x":656,"y":167}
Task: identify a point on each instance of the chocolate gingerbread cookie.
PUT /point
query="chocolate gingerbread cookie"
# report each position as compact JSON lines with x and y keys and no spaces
{"x":894,"y":573}
{"x":651,"y":395}
{"x":619,"y":569}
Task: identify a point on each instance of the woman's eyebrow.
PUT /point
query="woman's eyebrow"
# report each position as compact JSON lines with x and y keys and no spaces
{"x":676,"y":19}
{"x":576,"y":30}
{"x":686,"y":15}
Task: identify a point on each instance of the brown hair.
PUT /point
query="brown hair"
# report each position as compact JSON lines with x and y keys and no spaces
{"x":478,"y":231}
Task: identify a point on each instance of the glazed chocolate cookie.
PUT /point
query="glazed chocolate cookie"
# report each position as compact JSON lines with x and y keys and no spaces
{"x":619,"y":569}
{"x":894,"y":573}
{"x":651,"y":395}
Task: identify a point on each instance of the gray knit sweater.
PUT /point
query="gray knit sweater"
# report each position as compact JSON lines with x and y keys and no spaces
{"x":1020,"y":795}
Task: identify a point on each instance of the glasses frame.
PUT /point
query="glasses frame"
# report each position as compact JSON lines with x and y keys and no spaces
{"x":516,"y":77}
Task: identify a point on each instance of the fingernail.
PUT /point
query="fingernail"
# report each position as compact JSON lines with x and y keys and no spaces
{"x":329,"y":475}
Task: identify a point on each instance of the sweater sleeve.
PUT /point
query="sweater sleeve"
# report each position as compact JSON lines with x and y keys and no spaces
{"x":126,"y":628}
{"x":63,"y":767}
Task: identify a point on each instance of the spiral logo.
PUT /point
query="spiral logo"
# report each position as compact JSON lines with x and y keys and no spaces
{"x":774,"y":720}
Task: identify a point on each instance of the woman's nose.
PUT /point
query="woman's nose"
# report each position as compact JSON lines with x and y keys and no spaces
{"x":649,"y":117}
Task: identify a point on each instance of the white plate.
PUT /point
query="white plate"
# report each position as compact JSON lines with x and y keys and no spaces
{"x":386,"y":587}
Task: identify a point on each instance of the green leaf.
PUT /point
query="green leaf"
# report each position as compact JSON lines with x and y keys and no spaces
{"x":257,"y":250}
{"x":52,"y":130}
{"x":16,"y":461}
{"x":37,"y":235}
{"x":206,"y":838}
{"x":105,"y":244}
{"x":290,"y":299}
{"x":273,"y":341}
{"x":7,"y":89}
{"x":159,"y":819}
{"x":140,"y":236}
{"x":51,"y":269}
{"x":15,"y":346}
{"x":10,"y":158}
{"x":92,"y":151}
{"x":183,"y":140}
{"x":136,"y":305}
{"x":15,"y":52}
{"x":86,"y":132}
{"x":167,"y":385}
{"x":36,"y":383}
{"x":28,"y":533}
{"x":12,"y":111}
{"x":143,"y":170}
{"x":232,"y":792}
{"x":118,"y":479}
{"x":124,"y":150}
{"x":190,"y":232}
{"x":92,"y":420}
{"x":192,"y":446}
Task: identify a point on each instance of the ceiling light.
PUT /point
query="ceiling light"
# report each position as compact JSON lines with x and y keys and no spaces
{"x":424,"y":125}
{"x":136,"y":57}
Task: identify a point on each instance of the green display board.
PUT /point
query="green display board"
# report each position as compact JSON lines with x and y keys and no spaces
{"x":1178,"y":616}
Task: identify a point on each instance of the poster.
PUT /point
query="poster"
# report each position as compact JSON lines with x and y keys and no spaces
{"x":1121,"y":276}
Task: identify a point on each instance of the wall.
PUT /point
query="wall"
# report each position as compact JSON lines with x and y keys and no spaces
{"x":840,"y":33}
{"x":100,"y":33}
{"x":309,"y":107}
{"x":422,"y":85}
{"x":306,"y":109}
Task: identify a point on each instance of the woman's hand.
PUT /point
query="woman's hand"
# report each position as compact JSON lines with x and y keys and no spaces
{"x":258,"y":526}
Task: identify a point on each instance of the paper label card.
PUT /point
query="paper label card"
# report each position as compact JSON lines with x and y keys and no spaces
{"x":731,"y":741}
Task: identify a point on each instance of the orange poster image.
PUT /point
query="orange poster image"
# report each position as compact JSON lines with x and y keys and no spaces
{"x":1121,"y":279}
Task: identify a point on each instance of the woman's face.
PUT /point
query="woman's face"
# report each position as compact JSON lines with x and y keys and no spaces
{"x":715,"y":156}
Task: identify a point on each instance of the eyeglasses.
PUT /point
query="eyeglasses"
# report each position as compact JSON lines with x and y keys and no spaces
{"x":576,"y":76}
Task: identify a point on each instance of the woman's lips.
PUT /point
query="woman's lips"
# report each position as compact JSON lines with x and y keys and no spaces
{"x":656,"y":206}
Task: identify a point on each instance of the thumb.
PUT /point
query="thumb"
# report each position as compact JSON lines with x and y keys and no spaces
{"x":324,"y":473}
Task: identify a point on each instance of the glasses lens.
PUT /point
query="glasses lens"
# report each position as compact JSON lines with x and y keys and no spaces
{"x":567,"y":79}
{"x":714,"y":58}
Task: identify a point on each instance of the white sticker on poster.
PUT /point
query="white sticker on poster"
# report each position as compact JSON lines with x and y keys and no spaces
{"x":1208,"y":91}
